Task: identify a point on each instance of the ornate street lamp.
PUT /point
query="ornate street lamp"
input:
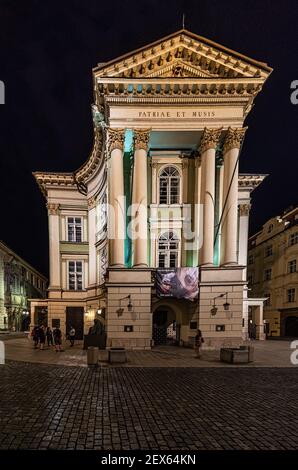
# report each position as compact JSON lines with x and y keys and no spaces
{"x":226,"y":305}
{"x":120,"y":310}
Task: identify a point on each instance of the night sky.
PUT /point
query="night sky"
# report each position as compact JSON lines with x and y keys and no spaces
{"x":47,"y":51}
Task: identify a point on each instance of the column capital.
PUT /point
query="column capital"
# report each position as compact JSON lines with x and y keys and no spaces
{"x":209,"y":139}
{"x":141,"y":139}
{"x":52,"y":208}
{"x":244,"y":209}
{"x":234,"y":138}
{"x":115,"y":139}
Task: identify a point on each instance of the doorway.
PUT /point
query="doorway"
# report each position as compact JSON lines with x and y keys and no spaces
{"x":165,"y":328}
{"x":291,"y":326}
{"x":75,"y":319}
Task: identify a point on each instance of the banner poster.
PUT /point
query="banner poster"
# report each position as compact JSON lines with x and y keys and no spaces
{"x":178,"y":283}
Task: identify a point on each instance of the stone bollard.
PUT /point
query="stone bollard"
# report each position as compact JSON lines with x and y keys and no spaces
{"x":2,"y":352}
{"x":92,"y":356}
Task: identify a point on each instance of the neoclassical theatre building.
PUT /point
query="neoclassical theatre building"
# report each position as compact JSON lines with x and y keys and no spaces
{"x":150,"y":234}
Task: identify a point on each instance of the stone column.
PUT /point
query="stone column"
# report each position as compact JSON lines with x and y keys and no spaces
{"x":54,"y":246}
{"x":116,"y":197}
{"x":243,"y":234}
{"x":260,"y":335}
{"x":197,"y":210}
{"x":92,"y":240}
{"x":154,"y":183}
{"x":233,"y":142}
{"x":185,"y":170}
{"x":139,"y":199}
{"x":208,"y":145}
{"x":242,"y":257}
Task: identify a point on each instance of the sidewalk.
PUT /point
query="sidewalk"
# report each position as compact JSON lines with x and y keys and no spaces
{"x":267,"y":354}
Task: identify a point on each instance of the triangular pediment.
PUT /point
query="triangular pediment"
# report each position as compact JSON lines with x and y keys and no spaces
{"x":183,"y":54}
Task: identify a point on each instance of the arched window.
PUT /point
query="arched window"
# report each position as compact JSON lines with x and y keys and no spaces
{"x":168,"y":250}
{"x":169,"y":185}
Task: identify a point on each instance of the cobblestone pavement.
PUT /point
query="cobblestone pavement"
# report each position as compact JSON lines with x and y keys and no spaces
{"x":267,"y":354}
{"x":58,"y":407}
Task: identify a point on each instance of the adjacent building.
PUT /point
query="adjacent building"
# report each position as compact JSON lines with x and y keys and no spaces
{"x":150,"y":234}
{"x":19,"y":282}
{"x":272,"y":272}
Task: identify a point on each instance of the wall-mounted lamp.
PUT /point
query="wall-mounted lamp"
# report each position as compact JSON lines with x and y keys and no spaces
{"x":120,"y":310}
{"x":226,"y":305}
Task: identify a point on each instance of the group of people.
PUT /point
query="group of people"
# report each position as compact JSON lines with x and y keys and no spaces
{"x":40,"y":334}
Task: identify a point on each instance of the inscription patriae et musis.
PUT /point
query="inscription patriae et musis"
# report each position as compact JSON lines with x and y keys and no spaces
{"x":176,"y":114}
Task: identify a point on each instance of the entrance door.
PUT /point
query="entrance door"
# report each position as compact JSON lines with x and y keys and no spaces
{"x":291,"y":326}
{"x":75,"y":318}
{"x":165,"y":329}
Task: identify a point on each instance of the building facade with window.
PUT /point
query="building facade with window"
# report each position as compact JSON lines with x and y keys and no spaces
{"x":161,"y":190}
{"x":19,"y":282}
{"x":272,"y":272}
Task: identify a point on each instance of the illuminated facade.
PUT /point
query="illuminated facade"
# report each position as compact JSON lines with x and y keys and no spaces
{"x":19,"y":282}
{"x":273,"y":272}
{"x":160,"y":190}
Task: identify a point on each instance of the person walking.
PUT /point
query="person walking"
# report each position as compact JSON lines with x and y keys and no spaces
{"x":49,"y":335}
{"x":198,"y":343}
{"x":57,"y":339}
{"x":72,"y":334}
{"x":42,"y":337}
{"x":34,"y":335}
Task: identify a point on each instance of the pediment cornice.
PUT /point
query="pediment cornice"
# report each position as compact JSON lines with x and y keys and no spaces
{"x":186,"y":54}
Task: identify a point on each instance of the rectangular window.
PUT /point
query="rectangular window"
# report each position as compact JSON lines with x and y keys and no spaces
{"x":268,"y":250}
{"x":268,"y":274}
{"x":292,"y":266}
{"x":75,"y":275}
{"x":293,"y":239}
{"x":291,"y":295}
{"x":74,"y":229}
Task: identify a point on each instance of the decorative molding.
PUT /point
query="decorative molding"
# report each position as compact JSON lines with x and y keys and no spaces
{"x":114,"y":87}
{"x":234,"y":138}
{"x":244,"y":209}
{"x":91,"y":201}
{"x":95,"y":159}
{"x":45,"y":179}
{"x":141,"y":139}
{"x":250,"y":182}
{"x":153,"y":164}
{"x":115,"y":140}
{"x":53,"y":208}
{"x":209,"y":139}
{"x":192,"y":53}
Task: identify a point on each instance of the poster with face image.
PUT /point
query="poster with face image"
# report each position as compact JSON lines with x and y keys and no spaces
{"x":178,"y":283}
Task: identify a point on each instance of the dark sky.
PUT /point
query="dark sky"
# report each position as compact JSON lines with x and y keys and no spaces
{"x":47,"y":51}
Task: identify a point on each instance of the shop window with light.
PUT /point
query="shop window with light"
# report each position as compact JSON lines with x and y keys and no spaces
{"x":292,"y":266}
{"x":291,"y":295}
{"x":75,"y":275}
{"x":74,"y":229}
{"x":169,"y":186}
{"x":168,"y":250}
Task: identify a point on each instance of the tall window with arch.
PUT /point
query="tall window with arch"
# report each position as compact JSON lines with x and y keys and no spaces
{"x":169,"y":185}
{"x":168,"y":250}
